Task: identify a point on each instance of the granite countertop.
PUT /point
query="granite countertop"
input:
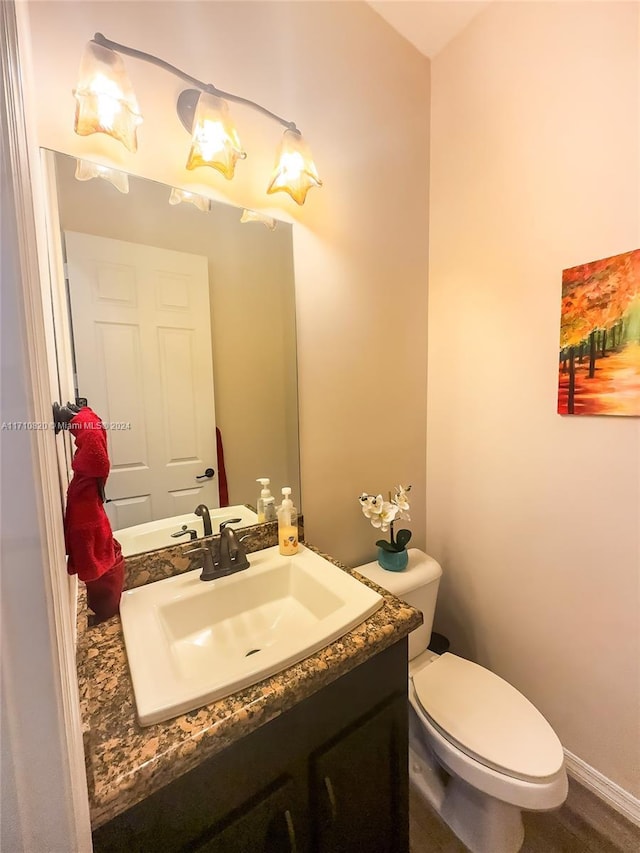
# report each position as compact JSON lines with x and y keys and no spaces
{"x":126,"y":762}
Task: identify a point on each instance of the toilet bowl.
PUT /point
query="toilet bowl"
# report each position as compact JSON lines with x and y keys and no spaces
{"x":479,"y":751}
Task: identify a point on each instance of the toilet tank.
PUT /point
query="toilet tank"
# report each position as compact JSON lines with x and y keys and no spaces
{"x":417,"y":585}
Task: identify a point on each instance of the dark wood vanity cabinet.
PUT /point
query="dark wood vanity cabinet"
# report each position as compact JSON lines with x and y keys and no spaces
{"x":328,"y":776}
{"x":357,"y":788}
{"x":268,"y":823}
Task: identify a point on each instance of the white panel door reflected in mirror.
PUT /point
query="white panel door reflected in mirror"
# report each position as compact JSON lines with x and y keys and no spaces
{"x":252,"y":397}
{"x":142,"y":344}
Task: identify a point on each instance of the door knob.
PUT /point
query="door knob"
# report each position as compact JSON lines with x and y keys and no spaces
{"x":209,"y":473}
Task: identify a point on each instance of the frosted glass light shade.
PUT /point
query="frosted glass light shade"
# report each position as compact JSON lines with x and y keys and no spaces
{"x":105,"y":100}
{"x":256,"y":216}
{"x":85,"y":171}
{"x":214,"y":140}
{"x":295,"y":172}
{"x":177,"y":196}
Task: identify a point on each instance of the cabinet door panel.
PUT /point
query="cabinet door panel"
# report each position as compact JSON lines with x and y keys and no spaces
{"x":359,"y":787}
{"x":269,"y":823}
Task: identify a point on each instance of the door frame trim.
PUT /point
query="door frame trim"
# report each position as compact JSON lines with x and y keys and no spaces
{"x":51,"y":584}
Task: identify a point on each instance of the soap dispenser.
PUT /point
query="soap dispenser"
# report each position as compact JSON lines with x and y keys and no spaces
{"x":287,"y":525}
{"x":266,"y":502}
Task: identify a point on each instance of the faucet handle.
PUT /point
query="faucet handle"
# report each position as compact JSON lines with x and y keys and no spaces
{"x":209,"y":568}
{"x":193,"y":534}
{"x":230,"y":521}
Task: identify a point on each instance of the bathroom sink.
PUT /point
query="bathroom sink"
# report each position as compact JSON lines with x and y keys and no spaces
{"x":157,"y":534}
{"x":190,"y":642}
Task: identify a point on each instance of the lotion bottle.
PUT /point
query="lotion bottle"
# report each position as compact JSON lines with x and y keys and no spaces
{"x":287,"y":525}
{"x":266,"y":507}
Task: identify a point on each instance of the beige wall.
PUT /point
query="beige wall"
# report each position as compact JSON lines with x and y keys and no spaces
{"x":535,"y":517}
{"x":360,"y":94}
{"x":252,"y":302}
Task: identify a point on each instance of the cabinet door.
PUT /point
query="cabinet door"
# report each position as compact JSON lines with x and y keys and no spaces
{"x":268,"y":823}
{"x":359,"y":786}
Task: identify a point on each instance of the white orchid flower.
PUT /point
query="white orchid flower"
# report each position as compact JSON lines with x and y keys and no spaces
{"x":382,"y":514}
{"x":402,"y":502}
{"x":371,"y":505}
{"x":387,"y":515}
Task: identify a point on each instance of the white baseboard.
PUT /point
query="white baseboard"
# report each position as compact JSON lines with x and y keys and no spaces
{"x":613,"y":795}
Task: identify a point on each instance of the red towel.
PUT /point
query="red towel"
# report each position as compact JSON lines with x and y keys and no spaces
{"x":223,"y":491}
{"x":103,"y":594}
{"x":92,"y":550}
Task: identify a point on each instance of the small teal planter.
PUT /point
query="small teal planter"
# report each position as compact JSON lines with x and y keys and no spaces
{"x":393,"y":561}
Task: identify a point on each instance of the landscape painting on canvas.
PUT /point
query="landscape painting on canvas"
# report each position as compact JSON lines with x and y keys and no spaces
{"x":599,"y":371}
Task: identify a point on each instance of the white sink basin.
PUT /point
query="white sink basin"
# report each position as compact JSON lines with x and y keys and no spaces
{"x":157,"y":534}
{"x":190,"y":642}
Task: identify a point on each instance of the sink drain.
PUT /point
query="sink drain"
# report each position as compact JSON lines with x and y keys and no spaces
{"x":252,"y":652}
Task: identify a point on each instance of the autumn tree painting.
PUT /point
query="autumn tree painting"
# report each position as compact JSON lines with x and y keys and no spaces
{"x":599,"y":371}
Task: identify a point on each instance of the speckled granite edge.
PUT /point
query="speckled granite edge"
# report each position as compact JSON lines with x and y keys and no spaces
{"x":126,"y":763}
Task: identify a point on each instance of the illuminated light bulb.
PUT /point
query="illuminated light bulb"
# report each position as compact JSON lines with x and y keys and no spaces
{"x":85,"y":171}
{"x":256,"y":216}
{"x":105,"y":100}
{"x":295,"y":172}
{"x":177,"y":196}
{"x":214,"y":139}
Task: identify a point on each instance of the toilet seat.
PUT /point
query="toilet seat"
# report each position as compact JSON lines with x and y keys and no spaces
{"x":487,"y":719}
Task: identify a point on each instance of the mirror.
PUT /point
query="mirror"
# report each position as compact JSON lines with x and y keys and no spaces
{"x":183,"y":331}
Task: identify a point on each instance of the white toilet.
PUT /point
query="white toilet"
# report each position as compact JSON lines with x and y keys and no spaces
{"x":479,"y":751}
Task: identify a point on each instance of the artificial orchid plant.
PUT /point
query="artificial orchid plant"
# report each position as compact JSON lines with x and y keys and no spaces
{"x":383,"y":514}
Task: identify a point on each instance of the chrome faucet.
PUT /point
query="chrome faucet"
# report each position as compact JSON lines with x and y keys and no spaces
{"x":232,"y":557}
{"x":203,"y":512}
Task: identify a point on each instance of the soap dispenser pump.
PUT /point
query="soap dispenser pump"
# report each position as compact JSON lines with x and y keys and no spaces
{"x":266,"y":502}
{"x":287,"y":525}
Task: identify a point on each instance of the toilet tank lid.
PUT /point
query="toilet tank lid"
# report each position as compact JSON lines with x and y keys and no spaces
{"x":421,"y":569}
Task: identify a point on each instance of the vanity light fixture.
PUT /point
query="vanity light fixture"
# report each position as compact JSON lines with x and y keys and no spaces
{"x":214,"y":139}
{"x":256,"y":216}
{"x":86,"y":170}
{"x":106,"y":103}
{"x":105,"y":100}
{"x":177,"y":196}
{"x":295,"y":172}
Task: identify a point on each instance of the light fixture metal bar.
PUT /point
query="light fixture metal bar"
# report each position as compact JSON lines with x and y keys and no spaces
{"x":100,"y":39}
